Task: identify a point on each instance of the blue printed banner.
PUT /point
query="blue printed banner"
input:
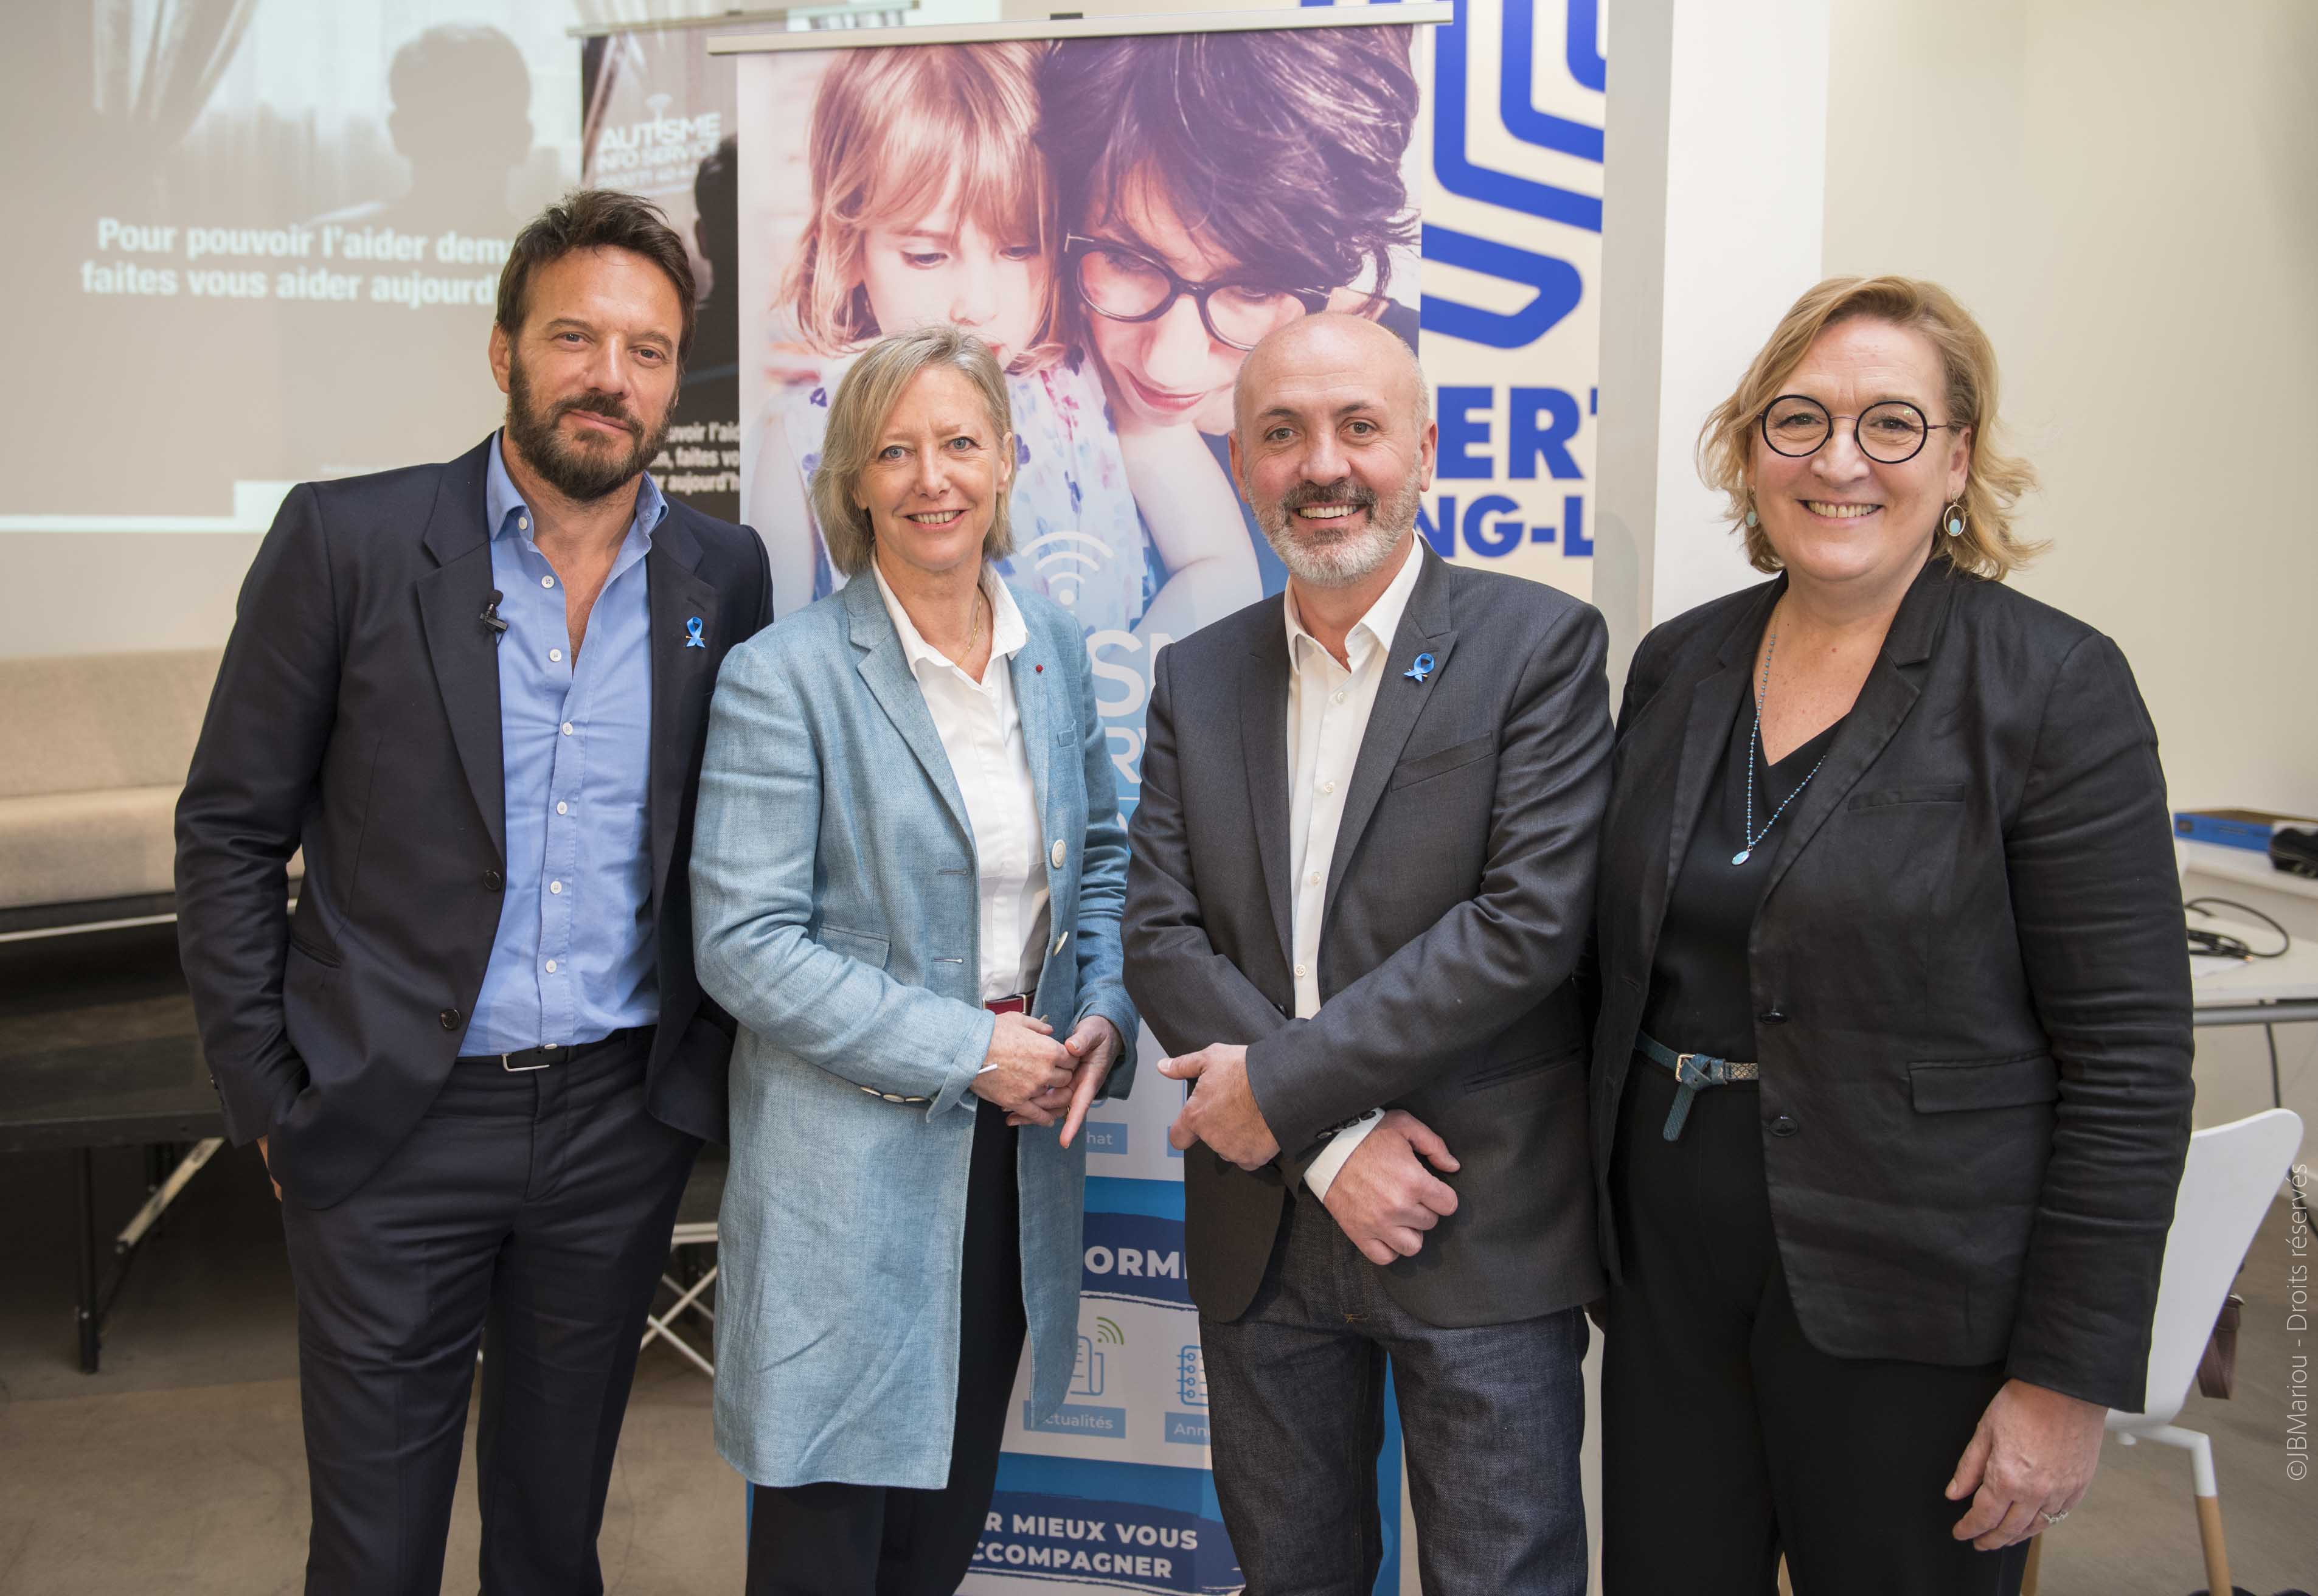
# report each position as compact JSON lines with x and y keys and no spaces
{"x":1130,"y":1527}
{"x":1187,"y":1429}
{"x":1077,"y":1418}
{"x":1471,"y":153}
{"x":1135,"y":1258}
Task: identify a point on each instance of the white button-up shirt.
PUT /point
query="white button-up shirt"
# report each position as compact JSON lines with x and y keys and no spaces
{"x":981,"y":731}
{"x":1329,"y":707}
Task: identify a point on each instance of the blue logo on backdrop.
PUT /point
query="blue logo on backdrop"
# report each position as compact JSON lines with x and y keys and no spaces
{"x":1556,"y":285}
{"x":1499,"y":435}
{"x":1135,"y":1258}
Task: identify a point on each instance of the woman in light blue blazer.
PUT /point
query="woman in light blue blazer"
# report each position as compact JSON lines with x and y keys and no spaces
{"x":907,"y":871}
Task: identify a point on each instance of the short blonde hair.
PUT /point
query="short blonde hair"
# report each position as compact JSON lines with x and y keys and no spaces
{"x":895,"y":131}
{"x":1993,"y":480}
{"x":866,"y":396}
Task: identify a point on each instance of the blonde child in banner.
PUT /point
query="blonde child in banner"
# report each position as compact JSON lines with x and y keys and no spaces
{"x":930,"y":203}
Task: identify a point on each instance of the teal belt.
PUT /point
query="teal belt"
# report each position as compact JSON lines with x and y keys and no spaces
{"x":1692,"y":1070}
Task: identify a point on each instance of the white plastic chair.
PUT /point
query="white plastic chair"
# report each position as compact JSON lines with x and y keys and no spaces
{"x":2230,"y":1181}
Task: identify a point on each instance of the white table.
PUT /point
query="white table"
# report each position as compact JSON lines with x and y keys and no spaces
{"x":2254,"y":991}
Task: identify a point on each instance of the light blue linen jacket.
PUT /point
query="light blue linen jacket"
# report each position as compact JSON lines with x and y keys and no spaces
{"x":837,"y":919}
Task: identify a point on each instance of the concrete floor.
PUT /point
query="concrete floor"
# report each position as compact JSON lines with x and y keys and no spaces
{"x":179,"y":1467}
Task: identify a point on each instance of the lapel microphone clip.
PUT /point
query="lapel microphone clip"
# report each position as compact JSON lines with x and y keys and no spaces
{"x":491,"y":617}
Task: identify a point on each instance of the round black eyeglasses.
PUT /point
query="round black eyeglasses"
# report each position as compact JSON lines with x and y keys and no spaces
{"x":1891,"y":432}
{"x":1122,"y":284}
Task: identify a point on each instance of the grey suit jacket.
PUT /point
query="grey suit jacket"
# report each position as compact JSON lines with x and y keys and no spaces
{"x":1457,"y":906}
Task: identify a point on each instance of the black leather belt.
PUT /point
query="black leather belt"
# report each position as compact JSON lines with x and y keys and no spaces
{"x":548,"y":1053}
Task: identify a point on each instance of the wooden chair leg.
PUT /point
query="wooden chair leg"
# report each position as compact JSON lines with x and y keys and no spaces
{"x":1786,"y":1586}
{"x":2035,"y":1558}
{"x":2209,"y":1536}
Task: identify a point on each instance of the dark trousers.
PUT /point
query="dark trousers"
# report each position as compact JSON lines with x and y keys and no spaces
{"x":1728,"y":1437}
{"x":838,"y":1540}
{"x":1490,"y":1420}
{"x":529,"y":1212}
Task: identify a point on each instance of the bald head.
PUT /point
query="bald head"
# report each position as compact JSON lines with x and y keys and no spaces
{"x":1333,"y":445}
{"x":1333,"y":342}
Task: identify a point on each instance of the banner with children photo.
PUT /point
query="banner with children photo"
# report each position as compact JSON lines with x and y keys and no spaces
{"x":1121,"y":218}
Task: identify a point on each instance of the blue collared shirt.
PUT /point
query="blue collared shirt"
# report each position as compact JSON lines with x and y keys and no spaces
{"x":574,"y":957}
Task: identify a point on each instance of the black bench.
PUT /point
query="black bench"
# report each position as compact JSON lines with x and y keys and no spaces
{"x":149,"y":1093}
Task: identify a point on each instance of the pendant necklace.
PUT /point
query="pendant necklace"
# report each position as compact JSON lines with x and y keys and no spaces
{"x":1755,"y":741}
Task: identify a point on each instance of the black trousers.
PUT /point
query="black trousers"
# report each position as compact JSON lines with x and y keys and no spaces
{"x":837,"y":1539}
{"x":529,"y":1212}
{"x":1728,"y":1437}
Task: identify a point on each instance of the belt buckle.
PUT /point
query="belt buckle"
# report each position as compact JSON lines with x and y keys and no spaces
{"x":1688,"y":1074}
{"x":526,"y":1069}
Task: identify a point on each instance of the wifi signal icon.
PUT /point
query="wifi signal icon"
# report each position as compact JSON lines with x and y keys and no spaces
{"x":1107,"y":1331}
{"x":1065,"y":560}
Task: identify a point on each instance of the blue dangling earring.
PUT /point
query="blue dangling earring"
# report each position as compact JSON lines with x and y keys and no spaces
{"x":1954,"y":518}
{"x":1752,"y":520}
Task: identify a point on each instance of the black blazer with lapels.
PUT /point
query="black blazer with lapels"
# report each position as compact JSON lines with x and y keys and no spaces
{"x":356,"y":715}
{"x":1970,"y":991}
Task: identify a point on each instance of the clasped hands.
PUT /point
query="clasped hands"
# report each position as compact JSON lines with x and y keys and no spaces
{"x":1383,"y":1198}
{"x":1036,"y":1079}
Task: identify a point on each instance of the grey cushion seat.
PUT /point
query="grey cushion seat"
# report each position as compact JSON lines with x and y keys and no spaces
{"x":71,"y":847}
{"x":93,"y":753}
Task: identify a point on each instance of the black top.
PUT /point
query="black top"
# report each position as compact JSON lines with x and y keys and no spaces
{"x":1701,"y":998}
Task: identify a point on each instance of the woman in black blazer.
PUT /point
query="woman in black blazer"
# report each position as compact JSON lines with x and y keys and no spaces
{"x":1892,"y":1079}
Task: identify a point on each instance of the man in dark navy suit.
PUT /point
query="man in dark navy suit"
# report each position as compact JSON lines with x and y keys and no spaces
{"x":475,"y":1057}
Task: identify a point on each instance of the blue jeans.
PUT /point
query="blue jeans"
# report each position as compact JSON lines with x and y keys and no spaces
{"x":1490,"y":1420}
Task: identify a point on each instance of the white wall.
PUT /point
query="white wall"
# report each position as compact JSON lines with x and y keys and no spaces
{"x":1711,"y":214}
{"x":2127,"y":197}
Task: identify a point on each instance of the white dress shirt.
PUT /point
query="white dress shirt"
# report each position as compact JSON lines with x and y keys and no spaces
{"x":981,"y":731}
{"x":1329,"y":707}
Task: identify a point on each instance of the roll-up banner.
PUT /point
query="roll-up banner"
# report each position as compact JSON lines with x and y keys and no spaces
{"x":1042,"y":186}
{"x":1055,"y":195}
{"x":1064,"y":190}
{"x":657,"y":120}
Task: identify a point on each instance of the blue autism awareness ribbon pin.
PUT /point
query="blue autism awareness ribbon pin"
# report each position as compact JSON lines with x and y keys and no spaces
{"x":693,"y":639}
{"x":1418,"y":672}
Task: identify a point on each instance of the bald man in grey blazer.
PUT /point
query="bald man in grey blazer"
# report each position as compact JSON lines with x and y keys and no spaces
{"x":1356,"y":900}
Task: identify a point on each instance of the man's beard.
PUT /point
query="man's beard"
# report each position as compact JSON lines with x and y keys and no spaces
{"x":1331,"y":559}
{"x":581,"y":473}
